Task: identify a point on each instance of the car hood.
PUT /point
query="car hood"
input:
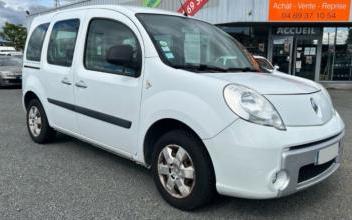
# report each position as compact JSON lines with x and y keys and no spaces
{"x":300,"y":102}
{"x":269,"y":83}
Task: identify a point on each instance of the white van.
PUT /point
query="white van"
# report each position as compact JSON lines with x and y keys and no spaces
{"x":149,"y":85}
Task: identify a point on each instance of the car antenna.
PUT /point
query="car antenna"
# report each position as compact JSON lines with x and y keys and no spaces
{"x":185,"y":11}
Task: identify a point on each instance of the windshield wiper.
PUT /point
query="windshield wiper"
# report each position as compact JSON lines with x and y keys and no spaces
{"x":244,"y":69}
{"x":204,"y":67}
{"x":201,"y":67}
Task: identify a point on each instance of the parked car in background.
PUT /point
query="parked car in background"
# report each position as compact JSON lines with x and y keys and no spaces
{"x":265,"y":65}
{"x":10,"y":71}
{"x":19,"y":55}
{"x":9,"y":51}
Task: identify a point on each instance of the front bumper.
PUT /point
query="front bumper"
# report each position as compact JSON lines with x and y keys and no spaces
{"x":247,"y":157}
{"x":300,"y":162}
{"x":11,"y":81}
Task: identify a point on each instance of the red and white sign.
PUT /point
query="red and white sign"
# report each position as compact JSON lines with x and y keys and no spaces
{"x":192,"y":6}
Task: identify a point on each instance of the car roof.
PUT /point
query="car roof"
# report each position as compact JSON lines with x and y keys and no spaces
{"x":136,"y":9}
{"x":128,"y":10}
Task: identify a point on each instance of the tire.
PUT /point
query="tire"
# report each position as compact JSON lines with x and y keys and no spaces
{"x":198,"y":191}
{"x":44,"y":133}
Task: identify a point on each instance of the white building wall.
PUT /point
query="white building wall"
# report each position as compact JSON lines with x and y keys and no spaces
{"x":215,"y":11}
{"x":225,"y":11}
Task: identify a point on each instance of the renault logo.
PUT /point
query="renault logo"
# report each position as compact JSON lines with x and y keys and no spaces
{"x":316,"y":108}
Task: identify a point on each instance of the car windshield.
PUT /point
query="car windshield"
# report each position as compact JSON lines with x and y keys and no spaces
{"x":197,"y":46}
{"x":10,"y":61}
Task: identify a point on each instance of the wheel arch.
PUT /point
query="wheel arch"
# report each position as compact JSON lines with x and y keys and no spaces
{"x":29,"y":95}
{"x":159,"y":128}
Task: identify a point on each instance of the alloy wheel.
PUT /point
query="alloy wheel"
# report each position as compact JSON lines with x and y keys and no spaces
{"x":176,"y":171}
{"x":34,"y":121}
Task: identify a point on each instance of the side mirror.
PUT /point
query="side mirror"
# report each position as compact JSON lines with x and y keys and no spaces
{"x":276,"y":67}
{"x":121,"y":55}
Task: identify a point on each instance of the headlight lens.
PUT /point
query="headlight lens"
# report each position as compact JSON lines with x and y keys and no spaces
{"x":251,"y":106}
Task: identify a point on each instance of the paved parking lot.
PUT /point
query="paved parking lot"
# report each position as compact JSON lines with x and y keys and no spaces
{"x":70,"y":179}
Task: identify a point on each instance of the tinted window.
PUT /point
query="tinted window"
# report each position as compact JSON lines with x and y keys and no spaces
{"x":104,"y":34}
{"x":35,"y":44}
{"x":62,"y":42}
{"x":254,"y":38}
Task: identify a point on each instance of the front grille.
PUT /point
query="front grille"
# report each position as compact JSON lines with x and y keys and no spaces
{"x":13,"y":80}
{"x":313,"y":143}
{"x":310,"y":171}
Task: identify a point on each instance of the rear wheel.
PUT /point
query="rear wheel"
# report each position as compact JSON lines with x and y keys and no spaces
{"x":37,"y":123}
{"x":182,"y":170}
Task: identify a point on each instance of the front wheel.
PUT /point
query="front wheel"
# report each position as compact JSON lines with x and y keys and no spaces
{"x":182,"y":170}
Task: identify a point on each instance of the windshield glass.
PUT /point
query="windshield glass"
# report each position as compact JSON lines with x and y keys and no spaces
{"x":194,"y":45}
{"x":10,"y":61}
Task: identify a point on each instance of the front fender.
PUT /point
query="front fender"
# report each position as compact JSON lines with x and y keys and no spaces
{"x":196,"y":113}
{"x":187,"y":108}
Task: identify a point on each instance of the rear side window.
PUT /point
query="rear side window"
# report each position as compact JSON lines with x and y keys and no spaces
{"x":104,"y":34}
{"x":62,"y":42}
{"x":35,"y":43}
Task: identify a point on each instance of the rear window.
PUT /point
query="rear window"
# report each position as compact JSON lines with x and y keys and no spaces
{"x":35,"y":44}
{"x":62,"y":42}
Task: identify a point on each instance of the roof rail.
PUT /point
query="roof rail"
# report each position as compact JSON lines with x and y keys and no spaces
{"x":84,"y":3}
{"x":71,"y":5}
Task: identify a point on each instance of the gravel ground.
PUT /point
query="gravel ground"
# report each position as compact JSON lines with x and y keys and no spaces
{"x":70,"y":179}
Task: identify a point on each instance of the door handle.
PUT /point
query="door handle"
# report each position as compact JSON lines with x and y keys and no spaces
{"x":66,"y":81}
{"x":81,"y":84}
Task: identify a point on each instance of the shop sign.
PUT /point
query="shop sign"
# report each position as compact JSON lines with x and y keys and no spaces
{"x":296,"y":31}
{"x":191,"y":7}
{"x":309,"y":10}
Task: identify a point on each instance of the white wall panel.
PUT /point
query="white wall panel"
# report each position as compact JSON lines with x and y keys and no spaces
{"x":215,"y":11}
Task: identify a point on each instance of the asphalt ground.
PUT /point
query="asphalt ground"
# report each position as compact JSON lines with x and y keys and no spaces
{"x":70,"y":179}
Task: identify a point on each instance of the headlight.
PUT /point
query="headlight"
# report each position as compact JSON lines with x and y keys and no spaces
{"x":251,"y":106}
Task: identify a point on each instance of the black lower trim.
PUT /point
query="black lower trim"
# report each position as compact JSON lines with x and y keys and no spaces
{"x":31,"y":67}
{"x":313,"y":143}
{"x":93,"y":114}
{"x":310,"y":171}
